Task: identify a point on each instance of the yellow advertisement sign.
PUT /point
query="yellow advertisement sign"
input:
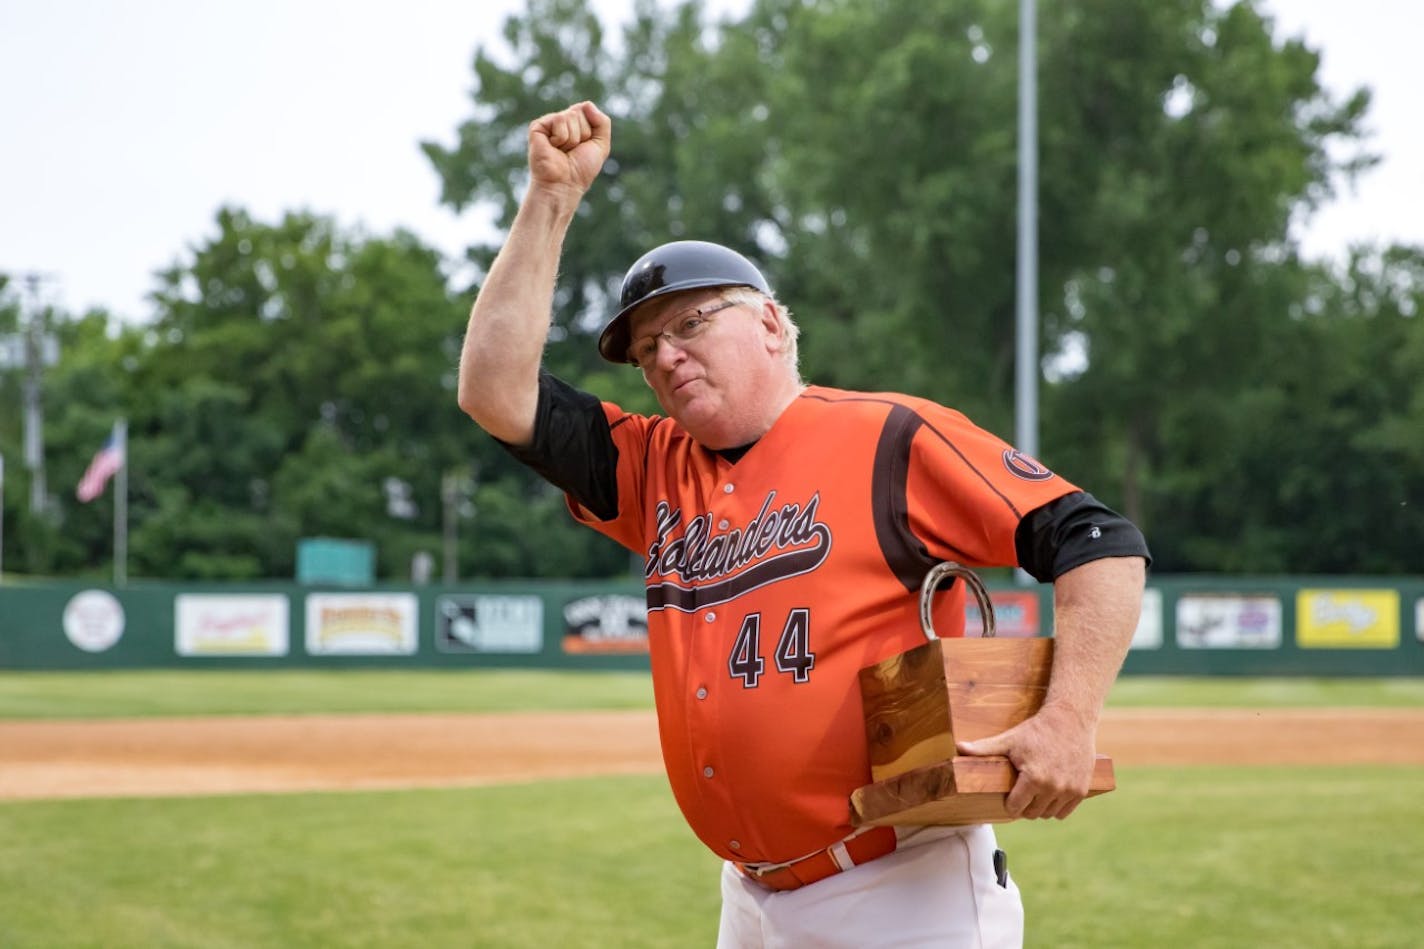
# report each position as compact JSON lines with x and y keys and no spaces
{"x":1347,"y":619}
{"x":361,"y":624}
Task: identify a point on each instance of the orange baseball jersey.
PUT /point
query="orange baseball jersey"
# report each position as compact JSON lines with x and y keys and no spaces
{"x":772,"y":581}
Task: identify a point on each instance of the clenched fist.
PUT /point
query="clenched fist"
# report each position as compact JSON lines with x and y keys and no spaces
{"x":567,"y":148}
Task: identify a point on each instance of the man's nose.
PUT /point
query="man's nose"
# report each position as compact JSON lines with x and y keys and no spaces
{"x":667,"y":356}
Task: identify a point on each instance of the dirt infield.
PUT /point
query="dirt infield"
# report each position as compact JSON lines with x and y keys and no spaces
{"x":327,"y":752}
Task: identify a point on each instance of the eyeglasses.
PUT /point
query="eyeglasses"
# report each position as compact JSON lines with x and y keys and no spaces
{"x":679,"y":330}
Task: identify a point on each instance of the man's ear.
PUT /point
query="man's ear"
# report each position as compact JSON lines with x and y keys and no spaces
{"x":770,"y":323}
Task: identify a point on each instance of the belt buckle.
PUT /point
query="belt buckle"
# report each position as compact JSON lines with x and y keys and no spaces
{"x":753,"y":870}
{"x":759,"y":870}
{"x":775,"y":877}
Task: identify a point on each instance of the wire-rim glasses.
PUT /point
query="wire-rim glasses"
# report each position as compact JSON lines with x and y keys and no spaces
{"x":679,"y":330}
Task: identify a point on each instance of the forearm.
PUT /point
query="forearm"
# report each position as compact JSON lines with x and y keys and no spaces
{"x":509,"y":322}
{"x":1096,"y":608}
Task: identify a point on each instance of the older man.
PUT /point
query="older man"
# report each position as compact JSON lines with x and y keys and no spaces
{"x":785,"y":530}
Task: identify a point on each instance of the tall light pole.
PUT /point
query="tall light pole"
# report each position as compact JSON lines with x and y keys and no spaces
{"x":39,"y":351}
{"x":1026,"y":368}
{"x":450,"y":519}
{"x":456,"y":490}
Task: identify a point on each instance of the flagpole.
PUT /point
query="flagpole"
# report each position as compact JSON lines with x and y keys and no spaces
{"x":121,"y":505}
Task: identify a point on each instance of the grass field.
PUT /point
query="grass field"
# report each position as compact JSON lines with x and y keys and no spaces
{"x":215,"y":692}
{"x":1176,"y":858}
{"x":1183,"y":857}
{"x":604,"y":862}
{"x":212,"y":692}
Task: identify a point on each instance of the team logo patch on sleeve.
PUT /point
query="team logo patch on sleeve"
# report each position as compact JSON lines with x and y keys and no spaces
{"x":1022,"y":466}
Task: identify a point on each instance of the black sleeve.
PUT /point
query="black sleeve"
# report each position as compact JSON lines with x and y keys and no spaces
{"x":1071,"y":531}
{"x":573,"y":446}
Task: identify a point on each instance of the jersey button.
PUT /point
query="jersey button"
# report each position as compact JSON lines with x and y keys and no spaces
{"x":735,"y":845}
{"x":707,"y":771}
{"x":702,"y":692}
{"x":723,"y":524}
{"x":711,"y":617}
{"x":728,"y":489}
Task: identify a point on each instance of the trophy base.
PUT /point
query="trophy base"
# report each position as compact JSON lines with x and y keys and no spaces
{"x":960,"y":790}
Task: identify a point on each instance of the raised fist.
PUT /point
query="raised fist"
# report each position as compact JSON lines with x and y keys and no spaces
{"x":567,"y":148}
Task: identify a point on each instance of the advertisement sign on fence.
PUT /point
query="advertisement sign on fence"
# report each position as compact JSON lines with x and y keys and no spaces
{"x":1228,"y":621}
{"x":361,"y":624}
{"x":93,"y":620}
{"x":610,"y":623}
{"x":1015,"y":614}
{"x":489,"y":623}
{"x":1347,"y":619}
{"x":235,"y":624}
{"x":1193,"y":625}
{"x":1148,"y":634}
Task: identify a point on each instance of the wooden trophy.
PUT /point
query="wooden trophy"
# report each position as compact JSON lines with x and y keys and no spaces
{"x":917,"y":704}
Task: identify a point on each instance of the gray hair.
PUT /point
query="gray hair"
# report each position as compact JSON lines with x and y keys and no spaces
{"x":750,"y":297}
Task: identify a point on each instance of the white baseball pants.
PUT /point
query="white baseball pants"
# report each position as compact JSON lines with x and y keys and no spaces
{"x":938,"y":889}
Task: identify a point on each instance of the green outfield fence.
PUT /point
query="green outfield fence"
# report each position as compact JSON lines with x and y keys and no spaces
{"x":1191,"y":625}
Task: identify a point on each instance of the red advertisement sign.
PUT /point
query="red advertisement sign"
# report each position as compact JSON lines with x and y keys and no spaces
{"x":1015,"y":614}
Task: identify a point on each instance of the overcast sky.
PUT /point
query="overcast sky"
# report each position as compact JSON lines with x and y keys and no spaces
{"x":126,"y":125}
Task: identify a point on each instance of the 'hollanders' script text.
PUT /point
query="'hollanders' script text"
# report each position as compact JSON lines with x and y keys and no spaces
{"x":779,"y":542}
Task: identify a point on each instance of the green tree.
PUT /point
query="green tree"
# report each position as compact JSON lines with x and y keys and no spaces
{"x":866,"y":152}
{"x":892,"y":160}
{"x":301,"y":383}
{"x":1171,"y":175}
{"x":1322,"y":469}
{"x":299,"y":379}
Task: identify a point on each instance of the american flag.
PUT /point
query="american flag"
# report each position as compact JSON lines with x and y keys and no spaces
{"x":107,"y":461}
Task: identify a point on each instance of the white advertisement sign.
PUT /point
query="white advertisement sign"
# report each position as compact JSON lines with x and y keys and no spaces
{"x":1228,"y":621}
{"x":489,"y":623}
{"x":93,"y":620}
{"x":236,"y":624}
{"x":361,"y":624}
{"x":1148,"y":634}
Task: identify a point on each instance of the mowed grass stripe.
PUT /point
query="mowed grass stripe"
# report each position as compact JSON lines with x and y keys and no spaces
{"x":163,"y":692}
{"x":126,"y":694}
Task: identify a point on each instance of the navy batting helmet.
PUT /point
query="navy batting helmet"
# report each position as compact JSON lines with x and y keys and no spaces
{"x":680,"y":265}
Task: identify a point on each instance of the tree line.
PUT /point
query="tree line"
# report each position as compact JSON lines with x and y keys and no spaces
{"x":1254,"y":411}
